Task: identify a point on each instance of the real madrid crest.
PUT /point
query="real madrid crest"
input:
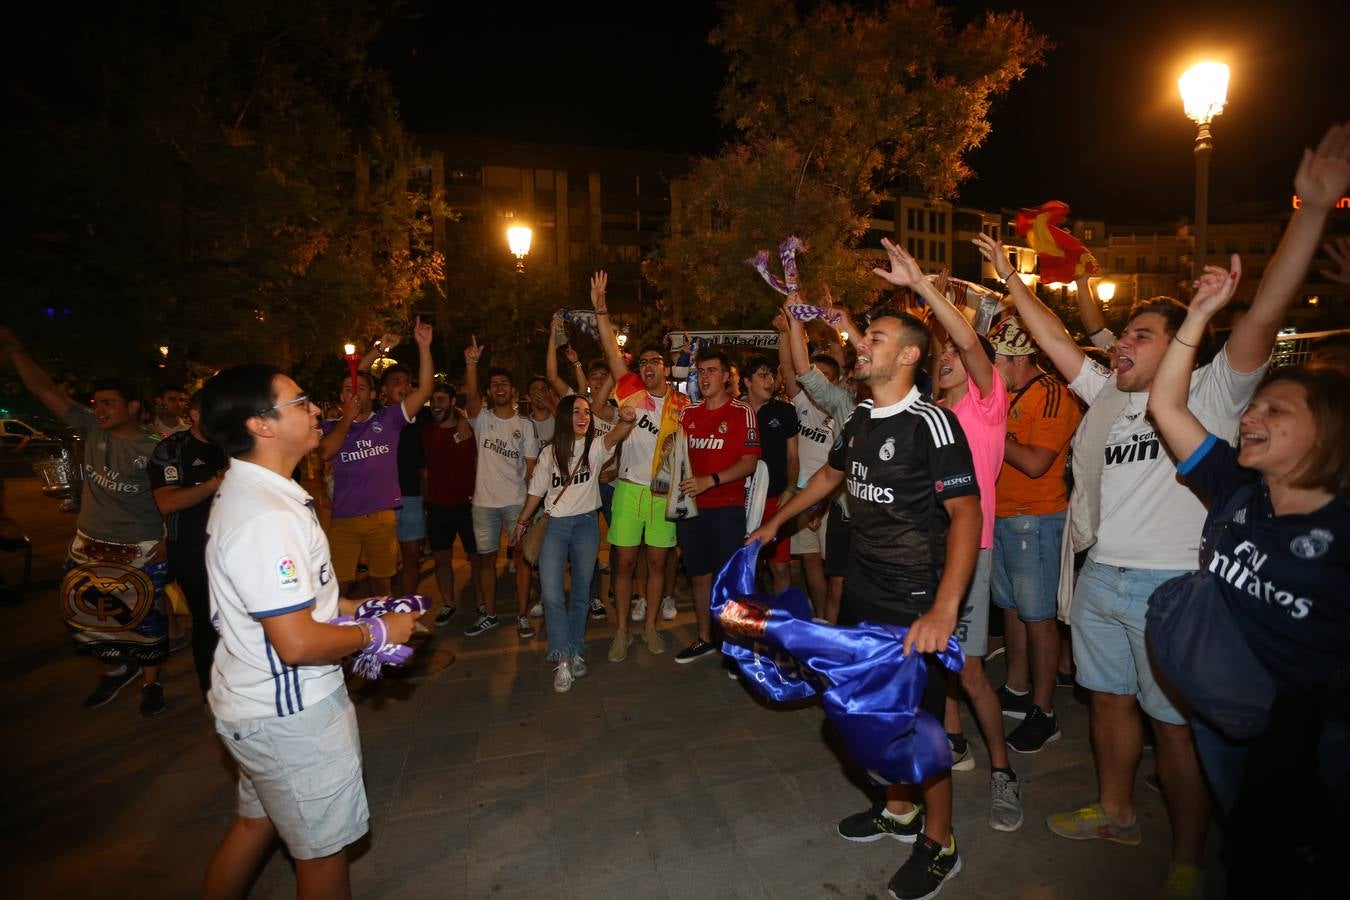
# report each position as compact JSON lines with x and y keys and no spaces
{"x":887,"y":451}
{"x":1311,"y":545}
{"x":722,"y":427}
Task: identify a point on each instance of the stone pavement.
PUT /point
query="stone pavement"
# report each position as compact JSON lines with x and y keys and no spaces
{"x":647,"y":780}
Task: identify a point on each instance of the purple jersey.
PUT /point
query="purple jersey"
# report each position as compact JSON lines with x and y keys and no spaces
{"x":365,"y":471}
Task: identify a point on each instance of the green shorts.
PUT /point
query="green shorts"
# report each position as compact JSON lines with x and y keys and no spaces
{"x":639,"y":518}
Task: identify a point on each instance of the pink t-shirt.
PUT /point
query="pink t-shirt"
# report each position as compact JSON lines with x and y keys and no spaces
{"x":985,"y":420}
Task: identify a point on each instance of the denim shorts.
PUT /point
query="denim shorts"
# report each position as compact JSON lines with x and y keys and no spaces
{"x":1026,"y":564}
{"x":1109,"y":650}
{"x":411,"y":524}
{"x":488,"y":522}
{"x":303,"y":772}
{"x":972,"y":628}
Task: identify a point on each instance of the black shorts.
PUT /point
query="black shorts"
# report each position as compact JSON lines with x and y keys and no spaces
{"x":709,"y":539}
{"x":837,"y":542}
{"x":934,"y":701}
{"x":444,"y":522}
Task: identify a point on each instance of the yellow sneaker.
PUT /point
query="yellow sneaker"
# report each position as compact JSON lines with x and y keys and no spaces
{"x":1091,"y":822}
{"x":618,"y":648}
{"x":1184,"y":882}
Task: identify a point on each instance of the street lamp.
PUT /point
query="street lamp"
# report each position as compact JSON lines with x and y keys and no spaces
{"x":1106,"y":291}
{"x":518,"y":239}
{"x":1204,"y":91}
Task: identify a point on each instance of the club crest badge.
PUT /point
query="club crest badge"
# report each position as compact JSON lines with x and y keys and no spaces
{"x":1312,"y":545}
{"x":887,"y":451}
{"x":377,"y":427}
{"x":721,"y":427}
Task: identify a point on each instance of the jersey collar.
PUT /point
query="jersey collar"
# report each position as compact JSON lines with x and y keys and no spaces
{"x":264,"y":476}
{"x":884,"y":412}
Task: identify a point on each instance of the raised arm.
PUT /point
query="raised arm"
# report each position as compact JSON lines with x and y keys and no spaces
{"x":1321,"y":181}
{"x":1045,"y":327}
{"x":473,"y":404}
{"x":786,"y":370}
{"x":331,"y":443}
{"x":386,"y":343}
{"x":1089,"y":313}
{"x":38,"y":382}
{"x":426,"y":373}
{"x":617,"y":367}
{"x":622,"y":428}
{"x":905,"y":272}
{"x":559,"y":386}
{"x":1169,"y":397}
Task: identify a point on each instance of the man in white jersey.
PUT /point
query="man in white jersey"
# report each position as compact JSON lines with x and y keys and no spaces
{"x":1141,"y":526}
{"x":277,"y":691}
{"x":507,"y":449}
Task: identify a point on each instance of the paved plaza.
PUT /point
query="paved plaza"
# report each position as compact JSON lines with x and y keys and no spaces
{"x":646,"y":780}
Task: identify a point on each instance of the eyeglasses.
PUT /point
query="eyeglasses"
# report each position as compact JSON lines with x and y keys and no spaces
{"x":652,"y":361}
{"x":303,"y":398}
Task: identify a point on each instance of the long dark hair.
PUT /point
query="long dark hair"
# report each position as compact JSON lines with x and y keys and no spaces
{"x":564,"y":437}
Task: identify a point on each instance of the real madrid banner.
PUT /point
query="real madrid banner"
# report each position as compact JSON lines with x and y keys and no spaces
{"x":765,"y":340}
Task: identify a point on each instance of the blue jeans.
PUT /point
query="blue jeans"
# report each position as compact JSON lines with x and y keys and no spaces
{"x":574,"y":538}
{"x":606,"y":510}
{"x":1026,"y":564}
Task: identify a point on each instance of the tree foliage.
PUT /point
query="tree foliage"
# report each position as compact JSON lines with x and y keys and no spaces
{"x":228,"y":180}
{"x":832,"y":105}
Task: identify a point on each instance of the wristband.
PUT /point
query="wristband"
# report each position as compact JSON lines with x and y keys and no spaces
{"x":717,"y":480}
{"x":602,"y":312}
{"x":1103,"y":328}
{"x":1005,"y":279}
{"x":1177,"y":338}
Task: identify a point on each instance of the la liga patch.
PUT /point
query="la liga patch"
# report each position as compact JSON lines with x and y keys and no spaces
{"x":287,"y":575}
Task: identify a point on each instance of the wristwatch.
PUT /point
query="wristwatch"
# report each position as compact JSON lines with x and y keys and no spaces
{"x":717,"y":480}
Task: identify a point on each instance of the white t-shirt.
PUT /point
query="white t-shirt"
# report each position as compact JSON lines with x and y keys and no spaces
{"x":503,"y":447}
{"x":266,"y":555}
{"x":640,"y":444}
{"x":543,"y":429}
{"x":583,"y":494}
{"x":815,"y":432}
{"x":1150,"y":519}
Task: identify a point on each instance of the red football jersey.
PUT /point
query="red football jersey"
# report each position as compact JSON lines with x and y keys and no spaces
{"x":718,"y":438}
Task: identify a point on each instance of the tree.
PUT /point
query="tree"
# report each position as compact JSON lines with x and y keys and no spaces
{"x":831,"y":107}
{"x":227,"y":180}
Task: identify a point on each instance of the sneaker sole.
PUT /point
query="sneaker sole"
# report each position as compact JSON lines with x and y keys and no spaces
{"x":937,"y":890}
{"x":481,"y":631}
{"x":154,"y":712}
{"x":113,"y":696}
{"x":562,"y":690}
{"x":686,"y":660}
{"x":965,"y":765}
{"x":902,"y":838}
{"x":998,"y":826}
{"x":1014,"y":714}
{"x":1050,"y":740}
{"x":1096,"y":837}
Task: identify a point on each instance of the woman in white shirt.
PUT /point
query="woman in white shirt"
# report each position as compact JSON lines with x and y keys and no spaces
{"x":566,"y":481}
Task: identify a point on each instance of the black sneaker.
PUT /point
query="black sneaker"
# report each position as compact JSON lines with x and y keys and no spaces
{"x":109,"y":686}
{"x":1036,"y":730}
{"x":873,"y":825}
{"x":484,"y":624}
{"x":597,"y":609}
{"x":924,"y":873}
{"x":152,"y":700}
{"x":696,"y":650}
{"x":445,"y":615}
{"x":524,"y":628}
{"x":1015,"y":706}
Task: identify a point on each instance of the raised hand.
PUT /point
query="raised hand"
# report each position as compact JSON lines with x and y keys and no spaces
{"x":599,"y":281}
{"x":904,"y":271}
{"x":1324,"y":174}
{"x":1215,"y":288}
{"x":991,"y":248}
{"x":571,"y":354}
{"x":942,"y":281}
{"x":628,"y":414}
{"x":1339,"y":251}
{"x":388,"y":341}
{"x":473,"y":352}
{"x":422,"y":333}
{"x":780,"y":322}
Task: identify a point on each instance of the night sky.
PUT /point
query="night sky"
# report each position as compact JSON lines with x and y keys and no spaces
{"x":1098,"y":125}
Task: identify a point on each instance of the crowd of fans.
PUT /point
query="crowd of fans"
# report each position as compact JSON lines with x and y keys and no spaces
{"x":1172,"y":540}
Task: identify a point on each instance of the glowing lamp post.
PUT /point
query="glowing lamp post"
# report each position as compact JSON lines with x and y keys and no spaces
{"x":349,"y":351}
{"x":1204,"y":91}
{"x":518,"y":239}
{"x":1106,"y":291}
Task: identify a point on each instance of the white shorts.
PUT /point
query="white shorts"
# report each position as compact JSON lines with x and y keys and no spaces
{"x":303,"y":772}
{"x":972,"y":629}
{"x":804,"y":540}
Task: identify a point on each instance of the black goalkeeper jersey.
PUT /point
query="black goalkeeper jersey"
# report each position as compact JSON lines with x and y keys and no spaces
{"x":900,"y":463}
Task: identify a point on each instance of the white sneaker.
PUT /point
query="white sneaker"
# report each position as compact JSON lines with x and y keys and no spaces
{"x":639,"y":612}
{"x":578,"y":665}
{"x":537,"y":610}
{"x":668,"y":610}
{"x":562,"y":676}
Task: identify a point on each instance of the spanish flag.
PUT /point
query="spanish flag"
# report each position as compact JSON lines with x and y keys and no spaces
{"x":1059,"y":255}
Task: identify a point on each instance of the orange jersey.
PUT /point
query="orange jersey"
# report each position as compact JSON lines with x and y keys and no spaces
{"x":1042,"y":414}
